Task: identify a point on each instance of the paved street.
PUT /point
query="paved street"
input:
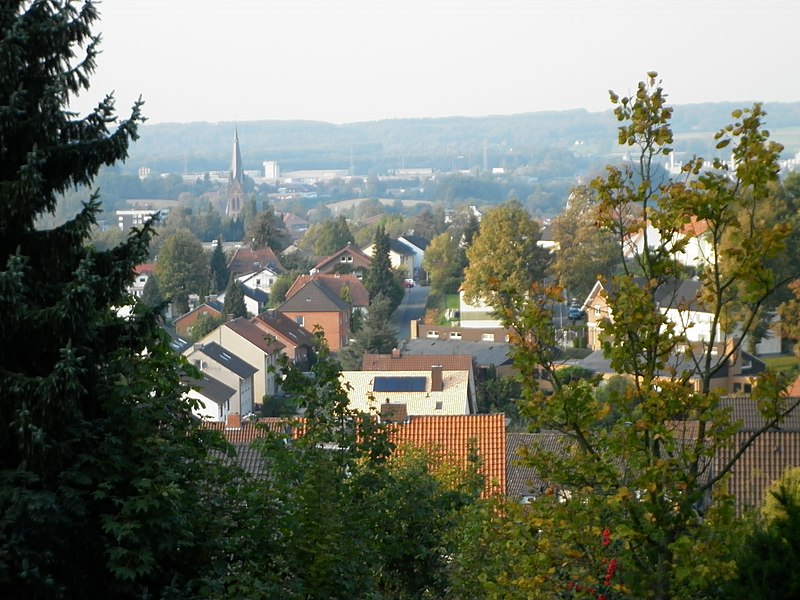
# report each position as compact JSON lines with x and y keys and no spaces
{"x":412,"y":307}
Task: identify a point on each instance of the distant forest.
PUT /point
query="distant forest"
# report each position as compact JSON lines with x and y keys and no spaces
{"x":443,"y":144}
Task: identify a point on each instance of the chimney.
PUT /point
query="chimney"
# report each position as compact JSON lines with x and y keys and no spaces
{"x":414,"y":329}
{"x":233,"y":421}
{"x":437,"y":383}
{"x":395,"y":352}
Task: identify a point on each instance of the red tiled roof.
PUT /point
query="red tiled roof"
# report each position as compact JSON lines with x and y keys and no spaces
{"x":144,"y":268}
{"x":359,"y":296}
{"x":275,"y":322}
{"x":416,"y":362}
{"x":448,"y":438}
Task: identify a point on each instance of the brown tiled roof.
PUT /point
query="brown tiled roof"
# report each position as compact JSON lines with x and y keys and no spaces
{"x":273,"y":321}
{"x":314,"y":297}
{"x":245,"y":259}
{"x":360,"y":259}
{"x":772,"y":453}
{"x":523,"y":480}
{"x":249,"y":431}
{"x":255,"y":335}
{"x":745,"y":410}
{"x":144,"y":268}
{"x":448,"y":438}
{"x":359,"y":296}
{"x":416,"y":362}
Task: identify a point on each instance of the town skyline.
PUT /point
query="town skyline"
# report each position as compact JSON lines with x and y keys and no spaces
{"x":350,"y":61}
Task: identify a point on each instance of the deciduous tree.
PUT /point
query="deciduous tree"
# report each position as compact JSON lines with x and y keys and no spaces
{"x":504,"y":250}
{"x":182,"y":268}
{"x":639,"y":462}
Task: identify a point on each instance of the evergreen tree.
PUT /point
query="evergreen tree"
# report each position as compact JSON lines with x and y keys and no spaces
{"x":101,"y":462}
{"x":234,"y":300}
{"x":151,"y":294}
{"x":381,"y":278}
{"x":219,"y":268}
{"x":375,"y":336}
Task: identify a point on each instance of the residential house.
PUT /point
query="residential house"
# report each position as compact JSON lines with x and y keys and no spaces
{"x":450,"y":440}
{"x":224,"y":366}
{"x":214,"y":398}
{"x":141,"y":273}
{"x":298,"y":342}
{"x":523,"y":483}
{"x":246,"y":261}
{"x":401,"y":255}
{"x":476,"y":314}
{"x":252,"y":344}
{"x":418,"y":244}
{"x":211,"y":307}
{"x":315,"y":306}
{"x":696,"y":251}
{"x":296,"y":226}
{"x":349,"y":259}
{"x":348,"y":287}
{"x":489,"y":347}
{"x":262,"y":279}
{"x":397,"y":361}
{"x":680,"y":303}
{"x":432,"y":391}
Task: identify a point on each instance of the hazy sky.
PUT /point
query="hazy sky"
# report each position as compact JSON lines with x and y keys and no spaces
{"x":361,"y":60}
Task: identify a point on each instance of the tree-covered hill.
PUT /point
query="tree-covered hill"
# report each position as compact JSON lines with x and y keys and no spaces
{"x":439,"y":143}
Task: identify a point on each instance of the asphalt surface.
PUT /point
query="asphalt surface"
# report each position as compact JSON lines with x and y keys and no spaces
{"x":411,"y":308}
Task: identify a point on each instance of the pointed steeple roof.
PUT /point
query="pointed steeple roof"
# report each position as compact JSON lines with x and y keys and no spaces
{"x":237,"y":172}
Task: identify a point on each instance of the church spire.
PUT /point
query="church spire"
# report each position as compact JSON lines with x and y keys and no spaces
{"x":235,"y":180}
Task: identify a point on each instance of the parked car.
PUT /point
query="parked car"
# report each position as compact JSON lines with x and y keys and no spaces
{"x":409,"y":283}
{"x":575,"y":313}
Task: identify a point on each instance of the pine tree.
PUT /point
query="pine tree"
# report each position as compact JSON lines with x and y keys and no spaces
{"x":234,"y":300}
{"x":381,"y":278}
{"x":219,"y":268}
{"x":376,"y":335}
{"x":99,"y":455}
{"x":151,"y":294}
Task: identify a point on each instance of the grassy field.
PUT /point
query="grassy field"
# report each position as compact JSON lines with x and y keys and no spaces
{"x":783,"y":362}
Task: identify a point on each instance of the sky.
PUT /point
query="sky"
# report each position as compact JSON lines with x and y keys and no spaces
{"x":346,"y":61}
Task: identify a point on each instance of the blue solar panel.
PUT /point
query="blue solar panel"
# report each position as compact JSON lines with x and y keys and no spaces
{"x":399,"y":384}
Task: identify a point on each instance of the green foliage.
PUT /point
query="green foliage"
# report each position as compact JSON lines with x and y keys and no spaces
{"x":338,"y":516}
{"x":182,"y":268}
{"x":375,"y":335}
{"x":585,"y":252}
{"x":327,"y":237}
{"x":381,"y":278}
{"x":234,"y":300}
{"x":505,"y":251}
{"x":103,"y":468}
{"x":151,"y":294}
{"x":277,"y":294}
{"x":767,"y":557}
{"x":218,"y":265}
{"x":203,"y":325}
{"x":266,"y":230}
{"x":627,"y":461}
{"x":444,"y":262}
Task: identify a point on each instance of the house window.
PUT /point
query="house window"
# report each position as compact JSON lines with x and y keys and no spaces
{"x":487,"y":337}
{"x":349,"y":259}
{"x":748,"y":388}
{"x":597,"y":311}
{"x":258,"y":282}
{"x":299,"y":321}
{"x":343,"y":259}
{"x":433,"y":334}
{"x":455,"y":335}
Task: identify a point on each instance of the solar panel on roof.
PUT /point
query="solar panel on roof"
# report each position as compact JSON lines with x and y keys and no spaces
{"x":399,"y":384}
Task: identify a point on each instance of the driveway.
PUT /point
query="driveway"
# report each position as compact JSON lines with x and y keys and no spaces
{"x":411,"y":308}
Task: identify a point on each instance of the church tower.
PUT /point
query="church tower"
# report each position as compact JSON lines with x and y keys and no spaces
{"x":235,"y":180}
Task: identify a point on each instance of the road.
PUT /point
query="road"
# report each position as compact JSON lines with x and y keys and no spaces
{"x":411,"y":308}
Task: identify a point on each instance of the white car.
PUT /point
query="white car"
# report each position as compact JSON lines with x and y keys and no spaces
{"x":409,"y":283}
